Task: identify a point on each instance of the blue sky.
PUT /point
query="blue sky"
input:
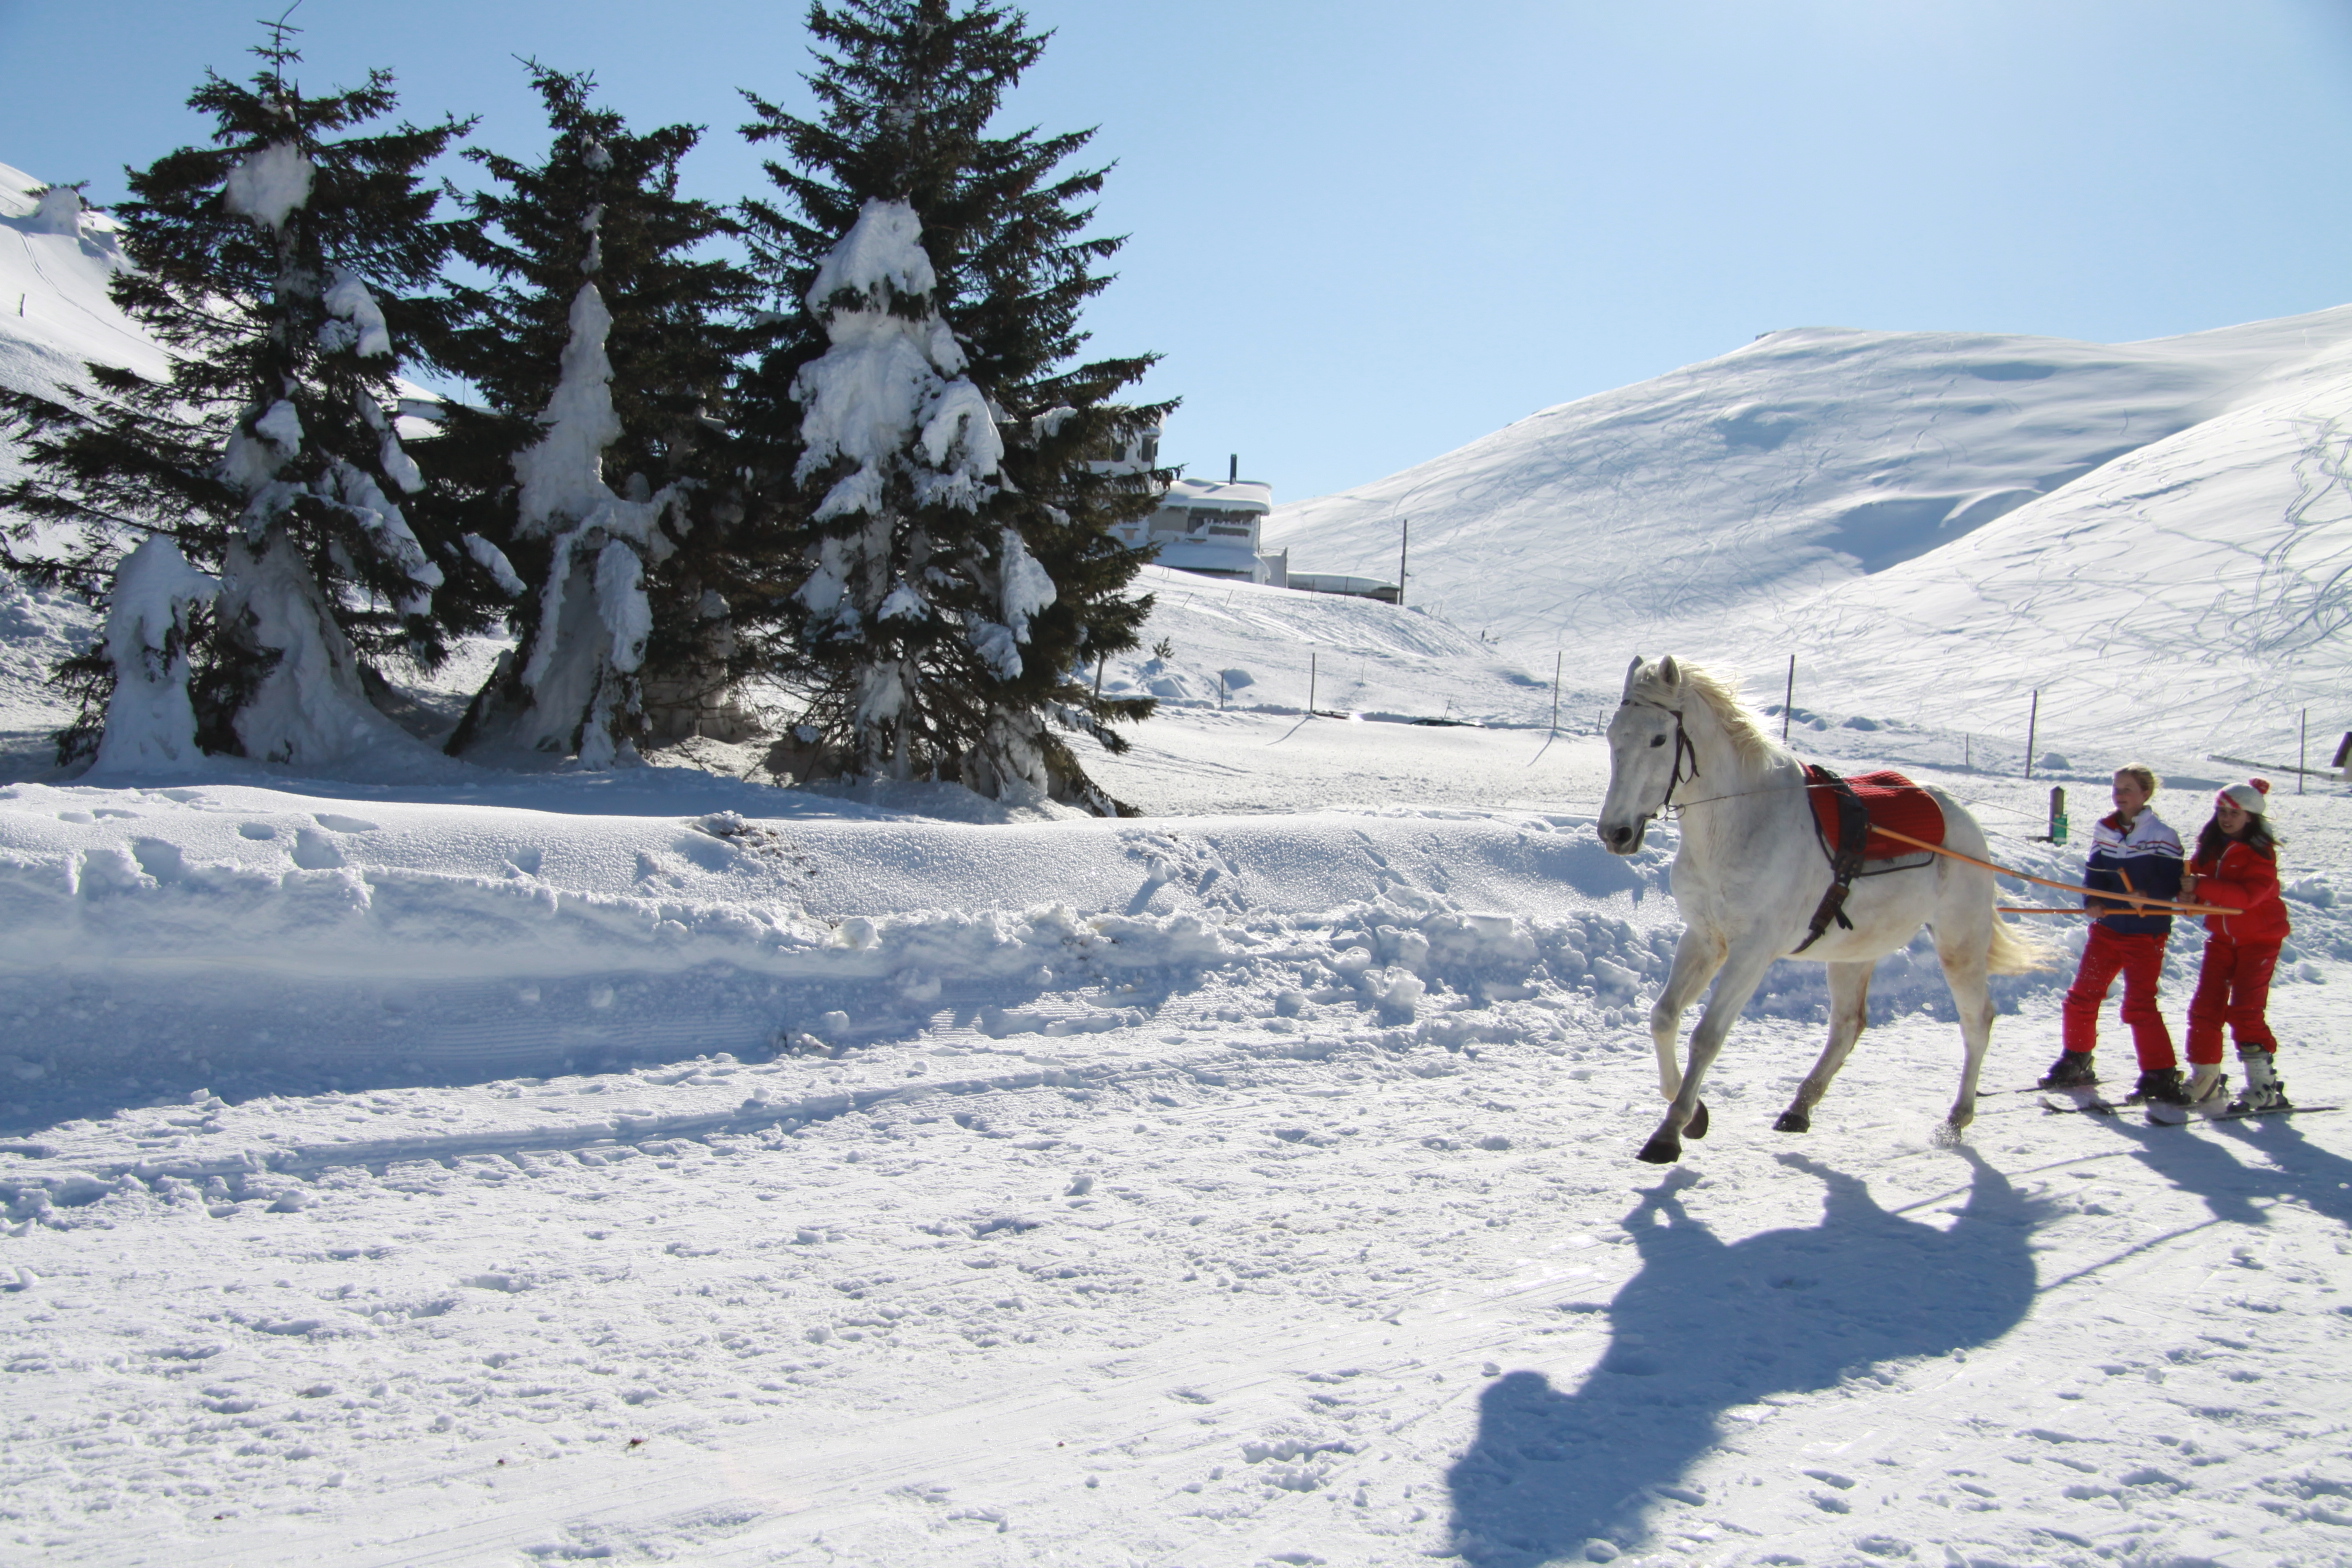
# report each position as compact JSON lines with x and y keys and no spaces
{"x":1365,"y":233}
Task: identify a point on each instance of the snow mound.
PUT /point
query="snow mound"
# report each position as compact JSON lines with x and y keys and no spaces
{"x":472,"y":939}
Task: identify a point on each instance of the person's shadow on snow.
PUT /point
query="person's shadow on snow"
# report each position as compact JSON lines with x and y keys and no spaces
{"x":2274,"y":1160}
{"x":1705,"y":1327}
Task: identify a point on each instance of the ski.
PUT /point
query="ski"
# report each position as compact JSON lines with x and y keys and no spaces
{"x":2088,"y":1104}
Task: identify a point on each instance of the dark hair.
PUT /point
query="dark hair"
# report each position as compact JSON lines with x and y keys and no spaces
{"x":2211,"y":841}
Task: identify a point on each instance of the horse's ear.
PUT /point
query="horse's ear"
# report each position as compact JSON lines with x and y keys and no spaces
{"x":1632,"y":674}
{"x":1669,"y":671}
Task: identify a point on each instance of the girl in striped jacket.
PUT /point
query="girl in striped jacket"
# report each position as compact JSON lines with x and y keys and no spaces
{"x":2132,"y":851}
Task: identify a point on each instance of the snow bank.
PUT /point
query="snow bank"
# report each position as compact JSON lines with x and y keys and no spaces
{"x":464,"y":940}
{"x":497,"y":935}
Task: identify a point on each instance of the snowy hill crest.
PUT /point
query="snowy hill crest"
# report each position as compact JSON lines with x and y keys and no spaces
{"x":1783,"y":497}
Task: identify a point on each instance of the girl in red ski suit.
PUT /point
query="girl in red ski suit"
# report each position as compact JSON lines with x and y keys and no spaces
{"x":2236,"y":868}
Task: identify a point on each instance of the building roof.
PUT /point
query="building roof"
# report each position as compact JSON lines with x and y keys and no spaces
{"x":1243,"y":495}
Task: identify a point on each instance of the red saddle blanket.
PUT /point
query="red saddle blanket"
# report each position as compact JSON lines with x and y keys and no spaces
{"x":1893,"y":801}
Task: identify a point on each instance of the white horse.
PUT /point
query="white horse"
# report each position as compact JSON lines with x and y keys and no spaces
{"x":1749,"y":876}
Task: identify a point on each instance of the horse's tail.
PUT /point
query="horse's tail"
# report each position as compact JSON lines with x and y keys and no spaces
{"x":2016,"y":950}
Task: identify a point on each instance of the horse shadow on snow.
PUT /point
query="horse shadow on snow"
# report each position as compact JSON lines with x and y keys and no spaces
{"x":1705,"y":1326}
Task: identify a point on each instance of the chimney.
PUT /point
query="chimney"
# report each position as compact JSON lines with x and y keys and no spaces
{"x":1233,"y":469}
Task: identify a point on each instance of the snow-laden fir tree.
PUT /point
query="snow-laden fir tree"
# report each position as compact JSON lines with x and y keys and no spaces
{"x":281,"y":265}
{"x":601,"y":350}
{"x":918,"y":434}
{"x":150,"y":721}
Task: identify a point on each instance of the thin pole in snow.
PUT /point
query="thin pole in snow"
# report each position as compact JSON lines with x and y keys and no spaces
{"x":1787,"y":698}
{"x":1404,"y":539}
{"x":1310,"y":685}
{"x":1556,"y":693}
{"x":2302,"y":750}
{"x":1098,"y":664}
{"x":1220,"y":691}
{"x":2033,"y":721}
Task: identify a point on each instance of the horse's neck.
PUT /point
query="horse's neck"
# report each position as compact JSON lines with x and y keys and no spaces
{"x":1737,"y":788}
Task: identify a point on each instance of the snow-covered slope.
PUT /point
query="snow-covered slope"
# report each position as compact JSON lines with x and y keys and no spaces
{"x":1242,"y":646}
{"x":1933,"y":522}
{"x":54,"y":313}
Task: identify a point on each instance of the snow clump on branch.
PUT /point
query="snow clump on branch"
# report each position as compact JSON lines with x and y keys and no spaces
{"x":270,"y":183}
{"x":887,"y":376}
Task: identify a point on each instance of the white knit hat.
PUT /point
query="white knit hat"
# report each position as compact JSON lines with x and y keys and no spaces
{"x":2252,"y":797}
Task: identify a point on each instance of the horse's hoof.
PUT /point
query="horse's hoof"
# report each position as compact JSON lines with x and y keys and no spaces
{"x":1696,"y":1127}
{"x":1947,"y":1136}
{"x":1660,"y":1150}
{"x":1793,"y":1121}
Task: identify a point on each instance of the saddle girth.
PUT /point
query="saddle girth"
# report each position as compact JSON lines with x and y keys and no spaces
{"x":1845,"y":856}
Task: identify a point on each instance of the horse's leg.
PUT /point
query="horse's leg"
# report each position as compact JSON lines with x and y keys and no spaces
{"x":1743,"y":970}
{"x":1696,"y":958}
{"x":1965,"y":963}
{"x":1849,"y":1015}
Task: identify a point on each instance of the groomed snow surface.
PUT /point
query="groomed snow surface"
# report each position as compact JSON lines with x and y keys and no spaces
{"x":648,"y":1167}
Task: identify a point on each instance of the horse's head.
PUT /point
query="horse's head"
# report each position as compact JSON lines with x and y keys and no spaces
{"x":1645,"y":748}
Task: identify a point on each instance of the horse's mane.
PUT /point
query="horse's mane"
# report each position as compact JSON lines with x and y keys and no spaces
{"x":1748,"y":740}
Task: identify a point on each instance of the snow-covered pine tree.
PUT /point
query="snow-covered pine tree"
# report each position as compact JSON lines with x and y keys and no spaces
{"x":278,"y":265}
{"x":601,"y":349}
{"x":955,"y":597}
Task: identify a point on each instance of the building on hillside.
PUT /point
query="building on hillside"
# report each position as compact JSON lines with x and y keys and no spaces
{"x":1212,"y":530}
{"x":1202,"y":527}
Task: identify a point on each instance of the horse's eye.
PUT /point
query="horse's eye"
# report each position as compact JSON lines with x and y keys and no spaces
{"x":1657,"y":740}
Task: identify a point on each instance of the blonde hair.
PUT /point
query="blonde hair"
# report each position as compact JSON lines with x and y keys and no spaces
{"x":1748,"y":740}
{"x":2141,"y":774}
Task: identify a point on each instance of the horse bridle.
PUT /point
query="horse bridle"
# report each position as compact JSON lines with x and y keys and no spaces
{"x":1682,"y":748}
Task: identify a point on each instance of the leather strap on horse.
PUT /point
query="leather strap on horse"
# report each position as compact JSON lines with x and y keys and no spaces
{"x":1845,"y":859}
{"x":1683,"y":747}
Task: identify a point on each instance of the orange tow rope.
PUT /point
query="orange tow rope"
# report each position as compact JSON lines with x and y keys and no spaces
{"x":2142,"y":905}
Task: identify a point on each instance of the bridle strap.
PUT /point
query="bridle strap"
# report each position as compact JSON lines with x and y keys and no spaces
{"x":1682,"y":748}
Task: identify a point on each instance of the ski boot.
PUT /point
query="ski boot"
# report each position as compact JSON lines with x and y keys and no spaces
{"x":2072,"y":1070}
{"x":2160,"y":1086}
{"x":2265,"y":1090}
{"x":2208,"y":1086}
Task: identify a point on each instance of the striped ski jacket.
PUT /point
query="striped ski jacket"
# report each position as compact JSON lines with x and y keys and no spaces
{"x":2144,"y":859}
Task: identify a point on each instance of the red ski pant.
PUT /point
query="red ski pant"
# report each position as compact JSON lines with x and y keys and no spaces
{"x":2141,"y":962}
{"x":2234,"y":984}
